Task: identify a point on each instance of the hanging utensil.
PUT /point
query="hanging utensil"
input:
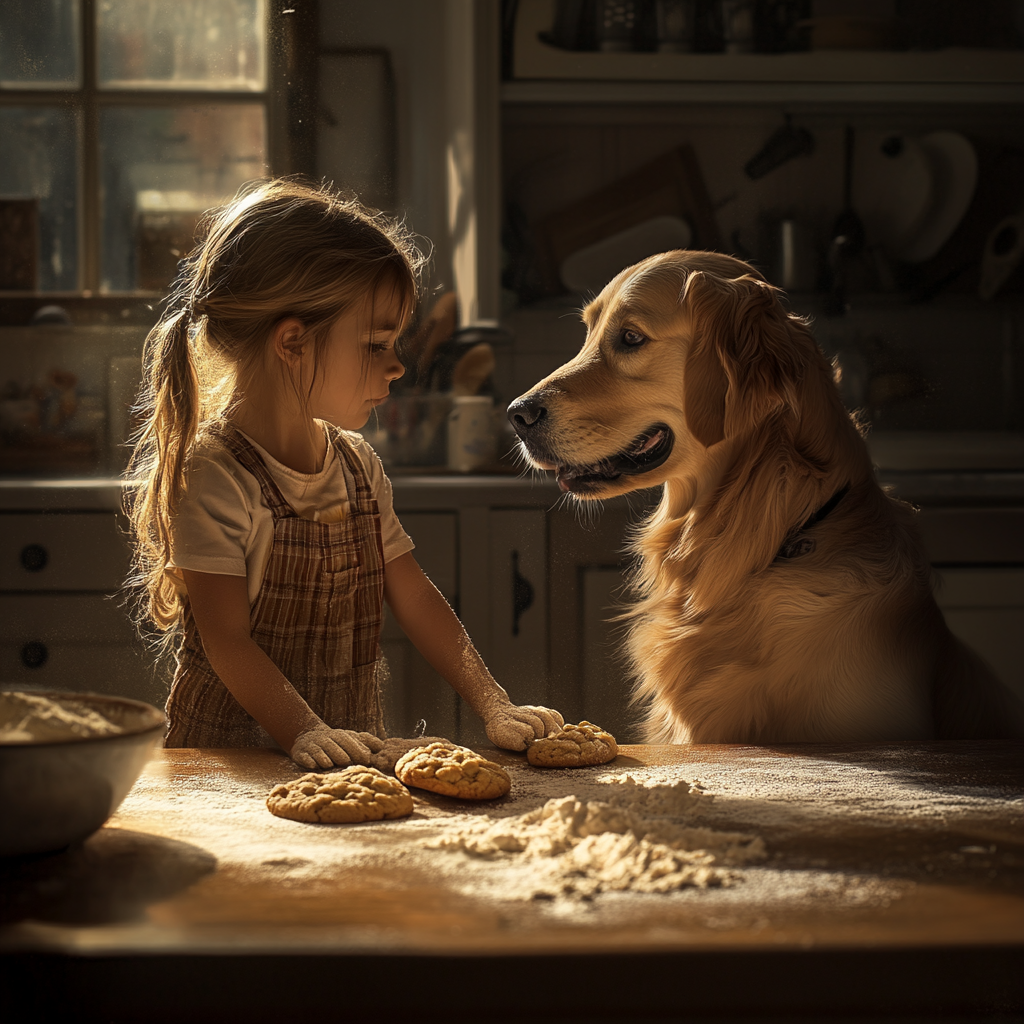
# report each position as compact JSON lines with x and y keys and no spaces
{"x":1004,"y":249}
{"x":784,"y":144}
{"x":847,"y":233}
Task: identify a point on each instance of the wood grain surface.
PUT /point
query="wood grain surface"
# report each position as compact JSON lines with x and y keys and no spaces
{"x":904,"y":853}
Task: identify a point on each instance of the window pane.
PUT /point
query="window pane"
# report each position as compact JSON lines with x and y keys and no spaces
{"x":39,"y":44}
{"x":39,"y":158}
{"x":161,"y":168}
{"x":181,"y":44}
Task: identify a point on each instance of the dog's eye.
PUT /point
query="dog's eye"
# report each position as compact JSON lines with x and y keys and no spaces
{"x":631,"y":338}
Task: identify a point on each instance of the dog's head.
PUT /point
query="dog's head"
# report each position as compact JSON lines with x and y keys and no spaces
{"x":684,"y":351}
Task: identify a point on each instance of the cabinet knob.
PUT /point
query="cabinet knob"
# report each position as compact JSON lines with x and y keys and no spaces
{"x":522,"y":593}
{"x":34,"y":557}
{"x":34,"y":654}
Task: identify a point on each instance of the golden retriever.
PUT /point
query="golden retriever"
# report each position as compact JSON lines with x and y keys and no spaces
{"x":782,"y":595}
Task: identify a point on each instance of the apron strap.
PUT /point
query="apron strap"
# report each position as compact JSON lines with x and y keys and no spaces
{"x":242,"y":449}
{"x":363,"y":491}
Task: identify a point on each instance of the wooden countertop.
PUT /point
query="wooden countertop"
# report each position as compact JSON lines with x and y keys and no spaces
{"x":908,"y":854}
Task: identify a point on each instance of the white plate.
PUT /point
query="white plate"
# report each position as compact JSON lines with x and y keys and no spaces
{"x":589,"y":269}
{"x":912,"y":200}
{"x":892,"y":187}
{"x":954,"y":178}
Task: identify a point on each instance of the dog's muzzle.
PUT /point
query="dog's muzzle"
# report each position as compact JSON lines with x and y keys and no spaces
{"x":647,"y":451}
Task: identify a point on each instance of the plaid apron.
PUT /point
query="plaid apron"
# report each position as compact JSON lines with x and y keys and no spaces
{"x":317,"y":617}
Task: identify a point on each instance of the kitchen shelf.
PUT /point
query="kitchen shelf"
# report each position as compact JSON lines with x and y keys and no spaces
{"x":547,"y":74}
{"x":612,"y":92}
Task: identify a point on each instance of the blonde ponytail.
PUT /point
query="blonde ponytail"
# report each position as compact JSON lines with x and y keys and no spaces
{"x":170,"y":403}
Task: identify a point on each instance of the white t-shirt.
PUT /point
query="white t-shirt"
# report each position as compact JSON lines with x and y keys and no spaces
{"x":224,"y":527}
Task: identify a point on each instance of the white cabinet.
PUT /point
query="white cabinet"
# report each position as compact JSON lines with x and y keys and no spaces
{"x":491,"y":566}
{"x":518,"y":647}
{"x":606,"y":694}
{"x":71,"y":551}
{"x":73,"y":642}
{"x":537,"y":584}
{"x":415,"y":691}
{"x":985,"y":608}
{"x":63,"y":624}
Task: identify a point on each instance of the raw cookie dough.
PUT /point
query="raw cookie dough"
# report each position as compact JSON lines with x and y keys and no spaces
{"x":573,"y":746}
{"x":395,"y":748}
{"x":351,"y":795}
{"x":453,"y":771}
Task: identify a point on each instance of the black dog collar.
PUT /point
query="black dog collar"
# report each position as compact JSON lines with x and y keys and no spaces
{"x":796,"y":545}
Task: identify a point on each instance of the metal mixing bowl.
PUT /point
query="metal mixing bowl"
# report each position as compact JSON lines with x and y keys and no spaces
{"x":54,"y":793}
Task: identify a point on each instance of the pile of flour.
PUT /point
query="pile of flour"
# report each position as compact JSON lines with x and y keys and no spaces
{"x":32,"y":718}
{"x":632,"y":840}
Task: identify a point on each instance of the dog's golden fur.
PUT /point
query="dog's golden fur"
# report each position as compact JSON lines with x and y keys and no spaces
{"x":728,"y":641}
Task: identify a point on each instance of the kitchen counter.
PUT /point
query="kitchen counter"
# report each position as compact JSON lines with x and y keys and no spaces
{"x":448,"y":490}
{"x":893,"y":879}
{"x":412,"y":491}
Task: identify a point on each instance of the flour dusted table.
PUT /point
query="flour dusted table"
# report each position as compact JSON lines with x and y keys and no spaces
{"x":894,"y":885}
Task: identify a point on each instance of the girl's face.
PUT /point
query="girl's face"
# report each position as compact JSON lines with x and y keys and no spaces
{"x":359,"y":362}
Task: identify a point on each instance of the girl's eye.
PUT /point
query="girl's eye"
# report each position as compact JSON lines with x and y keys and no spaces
{"x":378,"y":346}
{"x":631,"y":338}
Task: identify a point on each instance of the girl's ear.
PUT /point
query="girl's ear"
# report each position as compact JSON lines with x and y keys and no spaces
{"x":289,"y":341}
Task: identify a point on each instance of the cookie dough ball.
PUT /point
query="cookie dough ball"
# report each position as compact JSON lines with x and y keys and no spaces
{"x":395,"y":749}
{"x":351,"y":795}
{"x":453,"y":771}
{"x":573,"y":746}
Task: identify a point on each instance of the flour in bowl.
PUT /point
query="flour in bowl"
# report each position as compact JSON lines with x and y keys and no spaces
{"x":33,"y":718}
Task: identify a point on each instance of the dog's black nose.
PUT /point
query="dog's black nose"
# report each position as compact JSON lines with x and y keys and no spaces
{"x":526,"y":412}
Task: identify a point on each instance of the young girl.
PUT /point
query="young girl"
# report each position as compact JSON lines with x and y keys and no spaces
{"x":264,"y":529}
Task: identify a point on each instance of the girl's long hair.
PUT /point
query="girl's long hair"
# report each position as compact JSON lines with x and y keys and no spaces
{"x":281,"y":248}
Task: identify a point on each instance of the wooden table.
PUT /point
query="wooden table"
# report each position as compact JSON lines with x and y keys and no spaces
{"x":894,"y":883}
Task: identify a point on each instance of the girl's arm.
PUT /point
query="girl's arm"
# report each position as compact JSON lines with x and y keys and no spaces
{"x":220,"y":606}
{"x":429,"y":622}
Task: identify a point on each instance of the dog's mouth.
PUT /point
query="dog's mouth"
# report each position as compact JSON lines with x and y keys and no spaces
{"x":645,"y":452}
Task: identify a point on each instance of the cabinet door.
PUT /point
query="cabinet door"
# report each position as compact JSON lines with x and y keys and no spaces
{"x":415,"y":691}
{"x":985,"y":608}
{"x":65,"y":551}
{"x":519,"y":603}
{"x":606,"y":689}
{"x":82,"y":642}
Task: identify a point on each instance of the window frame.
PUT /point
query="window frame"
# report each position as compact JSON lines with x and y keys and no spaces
{"x":289,"y":91}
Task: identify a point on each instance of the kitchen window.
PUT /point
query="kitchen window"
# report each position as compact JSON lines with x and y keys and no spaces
{"x":123,"y":120}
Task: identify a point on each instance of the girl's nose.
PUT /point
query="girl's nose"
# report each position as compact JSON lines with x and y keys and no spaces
{"x":394,"y":369}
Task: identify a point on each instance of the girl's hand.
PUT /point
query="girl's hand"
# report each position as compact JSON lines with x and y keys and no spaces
{"x":513,"y":727}
{"x":324,"y":747}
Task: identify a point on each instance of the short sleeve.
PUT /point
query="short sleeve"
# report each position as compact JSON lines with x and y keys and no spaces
{"x":394,"y":539}
{"x":211,"y":530}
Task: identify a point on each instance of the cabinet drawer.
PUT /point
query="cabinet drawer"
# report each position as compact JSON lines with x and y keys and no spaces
{"x":70,"y":618}
{"x":119,"y":671}
{"x":74,"y":642}
{"x":985,"y":608}
{"x":68,"y":551}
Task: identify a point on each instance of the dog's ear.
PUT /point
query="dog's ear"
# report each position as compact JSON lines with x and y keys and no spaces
{"x":742,"y":365}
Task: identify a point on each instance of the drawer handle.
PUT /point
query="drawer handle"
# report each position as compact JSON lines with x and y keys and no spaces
{"x":522,"y":593}
{"x":34,"y":654}
{"x":34,"y":557}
